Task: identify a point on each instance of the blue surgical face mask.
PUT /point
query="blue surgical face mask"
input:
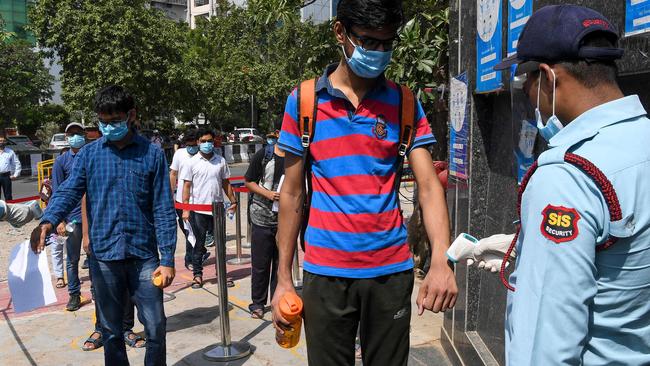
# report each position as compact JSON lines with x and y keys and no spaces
{"x":114,"y":131}
{"x":367,"y":64}
{"x":553,"y":124}
{"x":271,"y":141}
{"x":76,"y":141}
{"x":206,"y":147}
{"x":192,"y":150}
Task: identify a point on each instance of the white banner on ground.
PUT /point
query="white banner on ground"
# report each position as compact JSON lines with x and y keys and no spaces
{"x":29,"y":279}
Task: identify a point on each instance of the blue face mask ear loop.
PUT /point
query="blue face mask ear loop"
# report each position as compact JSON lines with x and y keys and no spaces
{"x":539,"y":89}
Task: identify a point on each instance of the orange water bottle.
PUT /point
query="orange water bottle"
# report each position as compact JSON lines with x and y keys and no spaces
{"x":157,"y":281}
{"x":291,"y":310}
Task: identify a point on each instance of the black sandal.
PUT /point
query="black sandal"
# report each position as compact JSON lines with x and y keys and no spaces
{"x":197,"y":284}
{"x":96,"y":342}
{"x":133,"y":342}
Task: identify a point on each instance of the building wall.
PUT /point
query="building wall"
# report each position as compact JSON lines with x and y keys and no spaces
{"x":485,"y":204}
{"x":320,"y":11}
{"x":173,"y":9}
{"x":14,"y":13}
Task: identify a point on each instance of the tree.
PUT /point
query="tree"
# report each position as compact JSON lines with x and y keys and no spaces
{"x":24,"y":81}
{"x":39,"y":116}
{"x":113,"y":42}
{"x":227,"y":65}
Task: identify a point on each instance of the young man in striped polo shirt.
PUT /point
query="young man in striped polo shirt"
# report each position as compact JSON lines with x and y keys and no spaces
{"x":358,"y":268}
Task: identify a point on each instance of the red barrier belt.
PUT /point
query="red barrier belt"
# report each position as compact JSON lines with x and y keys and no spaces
{"x":191,"y":207}
{"x":25,"y":199}
{"x":240,"y":189}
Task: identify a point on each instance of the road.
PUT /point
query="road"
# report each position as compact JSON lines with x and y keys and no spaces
{"x":28,"y":186}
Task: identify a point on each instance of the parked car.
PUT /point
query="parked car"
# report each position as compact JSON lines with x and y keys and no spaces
{"x":20,"y":140}
{"x":248,"y":135}
{"x":59,"y":142}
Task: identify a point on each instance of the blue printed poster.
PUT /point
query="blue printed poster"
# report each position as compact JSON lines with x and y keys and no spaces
{"x":459,"y":135}
{"x":488,"y":45}
{"x":519,"y":11}
{"x":637,"y":17}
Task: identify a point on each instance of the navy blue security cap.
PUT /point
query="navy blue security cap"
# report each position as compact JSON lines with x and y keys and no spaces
{"x":555,"y":33}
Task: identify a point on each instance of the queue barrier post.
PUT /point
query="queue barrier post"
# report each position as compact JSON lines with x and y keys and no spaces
{"x":238,"y":260}
{"x":226,"y":350}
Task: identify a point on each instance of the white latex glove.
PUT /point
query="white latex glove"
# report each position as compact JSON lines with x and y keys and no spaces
{"x":18,"y":214}
{"x":489,"y":252}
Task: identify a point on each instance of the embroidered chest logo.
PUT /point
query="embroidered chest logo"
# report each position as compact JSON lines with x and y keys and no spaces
{"x":560,"y":224}
{"x":380,"y":128}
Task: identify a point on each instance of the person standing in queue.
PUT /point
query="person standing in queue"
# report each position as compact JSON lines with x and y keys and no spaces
{"x":358,"y":269}
{"x":131,"y":216}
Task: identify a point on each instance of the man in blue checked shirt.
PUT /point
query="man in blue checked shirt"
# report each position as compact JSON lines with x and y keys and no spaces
{"x":132,"y":218}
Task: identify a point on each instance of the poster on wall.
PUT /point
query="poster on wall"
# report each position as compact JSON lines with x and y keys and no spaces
{"x":519,"y":11}
{"x":637,"y":17}
{"x":488,"y":45}
{"x":459,"y":135}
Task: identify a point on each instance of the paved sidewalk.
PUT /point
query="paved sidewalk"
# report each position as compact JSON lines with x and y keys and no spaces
{"x":52,"y":336}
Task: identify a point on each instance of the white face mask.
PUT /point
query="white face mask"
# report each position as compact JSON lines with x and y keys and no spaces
{"x":553,"y":125}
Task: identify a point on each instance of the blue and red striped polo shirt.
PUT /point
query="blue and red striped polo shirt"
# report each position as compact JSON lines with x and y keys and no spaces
{"x":355,"y":228}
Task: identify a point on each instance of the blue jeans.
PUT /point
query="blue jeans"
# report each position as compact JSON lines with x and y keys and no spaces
{"x":114,"y":282}
{"x":73,"y":248}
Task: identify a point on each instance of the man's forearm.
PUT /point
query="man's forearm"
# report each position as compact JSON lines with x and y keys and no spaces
{"x":173,"y":175}
{"x":436,"y":220}
{"x":256,"y":188}
{"x":289,"y":223}
{"x":229,"y":192}
{"x":187,"y":186}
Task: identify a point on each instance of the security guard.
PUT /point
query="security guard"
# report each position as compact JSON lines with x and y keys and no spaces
{"x":581,"y":285}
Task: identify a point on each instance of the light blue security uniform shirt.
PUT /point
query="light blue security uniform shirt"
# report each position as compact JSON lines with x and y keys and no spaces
{"x":572,"y":304}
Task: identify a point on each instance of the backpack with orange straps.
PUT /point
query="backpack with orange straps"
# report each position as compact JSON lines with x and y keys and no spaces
{"x":307,"y":113}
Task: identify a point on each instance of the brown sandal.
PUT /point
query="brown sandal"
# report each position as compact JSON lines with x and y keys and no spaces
{"x":60,"y":283}
{"x":257,"y":314}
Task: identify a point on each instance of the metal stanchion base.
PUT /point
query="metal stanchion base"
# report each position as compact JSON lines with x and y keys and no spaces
{"x":167,"y":296}
{"x":221,"y":353}
{"x":239,"y":261}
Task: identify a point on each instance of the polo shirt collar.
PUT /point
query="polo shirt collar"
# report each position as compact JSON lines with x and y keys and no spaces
{"x":323,"y":82}
{"x":214,"y":156}
{"x":590,"y":122}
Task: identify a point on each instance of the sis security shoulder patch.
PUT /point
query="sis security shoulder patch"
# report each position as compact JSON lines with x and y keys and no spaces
{"x":559,"y":223}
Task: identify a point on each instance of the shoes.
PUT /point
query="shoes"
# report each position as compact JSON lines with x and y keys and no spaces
{"x":74,"y":303}
{"x":209,"y":240}
{"x":84,"y":265}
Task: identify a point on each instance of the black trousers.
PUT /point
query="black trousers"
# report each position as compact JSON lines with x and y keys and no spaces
{"x":380,"y":308}
{"x":200,"y":225}
{"x":264,"y":258}
{"x":5,"y":184}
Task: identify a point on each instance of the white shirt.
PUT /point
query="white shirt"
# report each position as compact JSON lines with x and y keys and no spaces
{"x":180,"y":162}
{"x":206,"y":177}
{"x":9,"y":162}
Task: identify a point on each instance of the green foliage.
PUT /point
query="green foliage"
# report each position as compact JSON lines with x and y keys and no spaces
{"x":37,"y":116}
{"x":24,"y":81}
{"x":113,"y":42}
{"x":45,"y":133}
{"x":253,"y":51}
{"x":421,"y":56}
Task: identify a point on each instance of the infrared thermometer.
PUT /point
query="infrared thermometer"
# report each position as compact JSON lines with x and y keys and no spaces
{"x":462,"y":248}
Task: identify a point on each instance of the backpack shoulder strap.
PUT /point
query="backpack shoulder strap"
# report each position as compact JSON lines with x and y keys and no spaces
{"x":306,"y":112}
{"x":406,"y":119}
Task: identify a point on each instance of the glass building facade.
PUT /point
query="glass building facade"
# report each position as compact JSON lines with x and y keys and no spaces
{"x":14,"y":14}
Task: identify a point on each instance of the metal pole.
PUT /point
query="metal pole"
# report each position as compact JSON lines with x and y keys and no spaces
{"x":249,"y":232}
{"x":239,"y":260}
{"x":226,"y":350}
{"x":295,"y":269}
